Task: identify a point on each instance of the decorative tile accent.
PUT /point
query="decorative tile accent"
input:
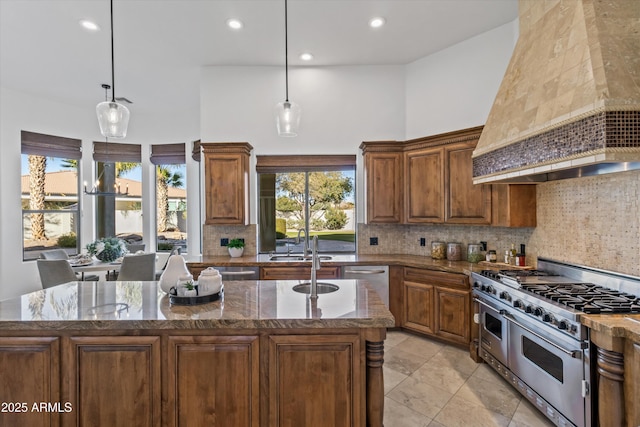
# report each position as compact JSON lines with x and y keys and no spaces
{"x":610,"y":129}
{"x":211,"y":235}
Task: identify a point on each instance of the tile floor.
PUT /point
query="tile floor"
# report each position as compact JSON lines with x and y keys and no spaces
{"x":428,"y":383}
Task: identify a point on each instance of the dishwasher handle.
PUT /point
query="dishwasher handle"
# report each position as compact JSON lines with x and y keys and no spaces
{"x":365,"y":271}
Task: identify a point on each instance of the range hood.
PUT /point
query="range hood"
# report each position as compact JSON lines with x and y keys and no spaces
{"x":569,"y":104}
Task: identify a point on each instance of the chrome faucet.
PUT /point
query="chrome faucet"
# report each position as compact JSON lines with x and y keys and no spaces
{"x":315,"y":265}
{"x":305,"y":248}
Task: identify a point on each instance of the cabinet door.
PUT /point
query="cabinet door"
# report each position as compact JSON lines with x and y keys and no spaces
{"x":513,"y":205}
{"x":384,"y":187}
{"x":314,"y":381}
{"x":297,"y":273}
{"x":418,"y":307}
{"x":213,"y":381}
{"x":30,"y":374}
{"x":453,"y":308}
{"x":465,"y":202}
{"x":113,"y":381}
{"x":424,"y":176}
{"x":226,"y":183}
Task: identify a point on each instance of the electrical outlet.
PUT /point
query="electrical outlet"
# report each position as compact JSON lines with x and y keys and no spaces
{"x":373,"y":241}
{"x":224,"y":242}
{"x":483,"y":245}
{"x":242,"y":240}
{"x":423,"y":241}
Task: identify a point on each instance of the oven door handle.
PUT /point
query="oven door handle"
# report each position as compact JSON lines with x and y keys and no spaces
{"x":576,"y":354}
{"x":490,"y":307}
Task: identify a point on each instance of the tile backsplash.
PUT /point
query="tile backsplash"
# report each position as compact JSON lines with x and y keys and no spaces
{"x":211,"y":235}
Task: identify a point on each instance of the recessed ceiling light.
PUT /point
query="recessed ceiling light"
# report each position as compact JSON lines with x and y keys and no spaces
{"x":376,"y":22}
{"x":306,"y":56}
{"x":89,"y":25}
{"x":234,"y":24}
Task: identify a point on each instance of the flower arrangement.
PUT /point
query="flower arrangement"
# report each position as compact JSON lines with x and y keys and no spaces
{"x":107,"y":249}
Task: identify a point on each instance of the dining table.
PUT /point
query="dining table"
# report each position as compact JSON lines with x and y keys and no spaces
{"x":109,"y":268}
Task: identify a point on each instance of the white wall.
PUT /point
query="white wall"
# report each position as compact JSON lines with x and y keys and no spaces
{"x":455,"y":88}
{"x":20,"y":111}
{"x":341,"y":107}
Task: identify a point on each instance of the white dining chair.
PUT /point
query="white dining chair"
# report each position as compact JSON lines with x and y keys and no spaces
{"x":55,"y":272}
{"x":138,"y":267}
{"x":62,"y":254}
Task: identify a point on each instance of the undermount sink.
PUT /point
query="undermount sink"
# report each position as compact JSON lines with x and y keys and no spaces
{"x":323,"y":288}
{"x":297,"y":258}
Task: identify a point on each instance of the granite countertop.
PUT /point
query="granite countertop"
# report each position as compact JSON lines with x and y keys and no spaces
{"x":262,"y":260}
{"x":615,"y":325}
{"x":143,"y":305}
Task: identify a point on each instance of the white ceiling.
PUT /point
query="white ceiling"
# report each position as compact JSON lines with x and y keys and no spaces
{"x":160,"y":45}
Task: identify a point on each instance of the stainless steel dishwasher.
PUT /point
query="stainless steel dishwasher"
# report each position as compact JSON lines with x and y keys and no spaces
{"x":376,"y":275}
{"x":239,"y":273}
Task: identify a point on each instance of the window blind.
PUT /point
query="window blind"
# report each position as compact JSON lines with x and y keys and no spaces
{"x":50,"y":146}
{"x":116,"y":152}
{"x":168,"y":154}
{"x":311,"y":163}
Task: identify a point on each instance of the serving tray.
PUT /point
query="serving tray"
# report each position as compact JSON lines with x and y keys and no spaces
{"x":176,"y":300}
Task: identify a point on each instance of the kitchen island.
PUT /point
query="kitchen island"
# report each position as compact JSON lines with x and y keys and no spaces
{"x":117,"y":353}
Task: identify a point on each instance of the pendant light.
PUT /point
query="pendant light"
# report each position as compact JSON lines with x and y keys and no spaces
{"x":95,"y":190}
{"x":112,"y":116}
{"x":287,"y":112}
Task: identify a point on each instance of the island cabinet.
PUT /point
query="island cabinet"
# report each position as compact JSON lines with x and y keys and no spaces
{"x":437,"y":304}
{"x":30,"y":374}
{"x":289,"y":272}
{"x":226,"y":184}
{"x":383,"y":166}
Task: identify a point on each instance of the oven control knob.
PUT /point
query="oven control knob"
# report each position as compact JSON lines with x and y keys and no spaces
{"x":504,"y":295}
{"x":518,"y":304}
{"x":490,"y":289}
{"x":529,"y":309}
{"x":476,"y":284}
{"x":546,"y":317}
{"x":563,"y":324}
{"x":538,"y":311}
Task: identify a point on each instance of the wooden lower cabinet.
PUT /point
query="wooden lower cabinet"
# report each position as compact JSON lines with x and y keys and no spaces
{"x":213,"y":381}
{"x":30,"y":375}
{"x":112,"y":380}
{"x":437,"y":304}
{"x":315,"y":382}
{"x":297,"y":273}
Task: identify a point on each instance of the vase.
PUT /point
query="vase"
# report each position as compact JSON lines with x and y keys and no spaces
{"x":236,"y":252}
{"x":175,"y":269}
{"x":109,"y":255}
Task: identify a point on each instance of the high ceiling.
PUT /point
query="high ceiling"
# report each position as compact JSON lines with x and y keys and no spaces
{"x":161,"y":45}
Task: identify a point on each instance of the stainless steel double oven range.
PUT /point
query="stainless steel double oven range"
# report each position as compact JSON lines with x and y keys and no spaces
{"x":530,"y":331}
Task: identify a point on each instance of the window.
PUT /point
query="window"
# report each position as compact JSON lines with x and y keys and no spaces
{"x":118,"y":167}
{"x":171,"y":195}
{"x":306,"y":194}
{"x":49,"y":191}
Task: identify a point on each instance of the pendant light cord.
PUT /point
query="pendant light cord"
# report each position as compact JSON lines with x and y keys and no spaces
{"x":113,"y":79}
{"x":286,"y":53}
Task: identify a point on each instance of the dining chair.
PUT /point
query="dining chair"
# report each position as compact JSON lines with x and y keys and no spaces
{"x":135,"y":247}
{"x":138,"y":267}
{"x":62,"y":254}
{"x":55,"y":272}
{"x":175,"y":250}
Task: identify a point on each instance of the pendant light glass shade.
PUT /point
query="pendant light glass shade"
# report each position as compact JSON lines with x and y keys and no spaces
{"x":113,"y":119}
{"x":288,"y":118}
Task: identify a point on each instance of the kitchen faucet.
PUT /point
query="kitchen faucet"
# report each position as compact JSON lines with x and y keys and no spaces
{"x":305,"y":248}
{"x":315,"y":265}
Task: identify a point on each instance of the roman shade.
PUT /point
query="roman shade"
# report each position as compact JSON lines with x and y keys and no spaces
{"x":309,"y":163}
{"x":116,"y":152}
{"x":50,"y":146}
{"x":168,"y":154}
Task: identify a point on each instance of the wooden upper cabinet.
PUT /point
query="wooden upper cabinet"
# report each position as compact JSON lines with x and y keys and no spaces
{"x":424,"y":177}
{"x":514,"y":205}
{"x":227,"y":182}
{"x":465,"y":203}
{"x":383,"y":172}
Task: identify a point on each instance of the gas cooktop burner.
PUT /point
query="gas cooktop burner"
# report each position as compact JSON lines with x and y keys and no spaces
{"x":587,"y":297}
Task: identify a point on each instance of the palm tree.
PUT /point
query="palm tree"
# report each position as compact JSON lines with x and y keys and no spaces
{"x":37,"y":169}
{"x":165,"y":179}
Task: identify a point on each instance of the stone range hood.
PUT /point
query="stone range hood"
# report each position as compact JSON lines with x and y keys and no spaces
{"x":569,"y":104}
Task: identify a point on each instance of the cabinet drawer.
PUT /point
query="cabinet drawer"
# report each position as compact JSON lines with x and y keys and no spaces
{"x":438,"y":278}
